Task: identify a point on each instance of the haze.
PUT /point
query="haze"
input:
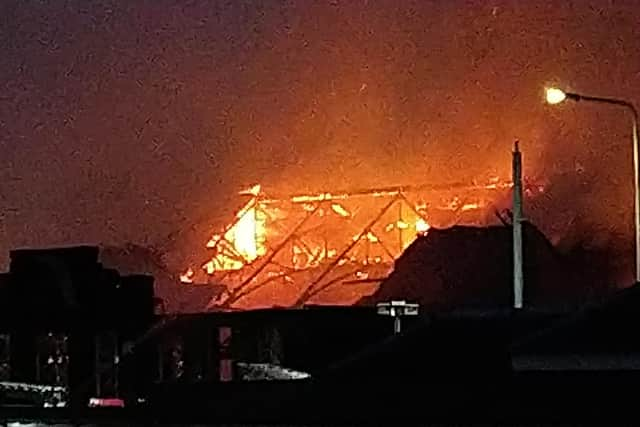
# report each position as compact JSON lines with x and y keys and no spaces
{"x":139,"y":121}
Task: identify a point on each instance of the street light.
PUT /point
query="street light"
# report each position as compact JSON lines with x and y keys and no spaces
{"x":556,"y":96}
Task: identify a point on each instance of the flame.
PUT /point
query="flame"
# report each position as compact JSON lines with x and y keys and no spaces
{"x":372,"y":237}
{"x":253,"y":191}
{"x":243,"y":242}
{"x":213,"y":241}
{"x":187,"y":276}
{"x":401,"y":225}
{"x":244,"y":235}
{"x":422,"y":226}
{"x":361,"y":275}
{"x":209,"y":267}
{"x":340,"y":210}
{"x":470,"y":206}
{"x":317,"y":197}
{"x":245,"y":239}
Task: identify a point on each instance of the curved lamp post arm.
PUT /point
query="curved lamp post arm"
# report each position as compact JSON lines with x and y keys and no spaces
{"x":602,"y":100}
{"x":611,"y":101}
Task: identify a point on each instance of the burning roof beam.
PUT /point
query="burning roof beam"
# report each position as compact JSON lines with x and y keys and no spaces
{"x":321,"y":241}
{"x":314,"y":288}
{"x":384,"y":192}
{"x":238,"y":292}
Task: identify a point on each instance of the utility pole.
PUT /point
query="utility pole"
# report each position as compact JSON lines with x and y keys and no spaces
{"x":518,"y":279}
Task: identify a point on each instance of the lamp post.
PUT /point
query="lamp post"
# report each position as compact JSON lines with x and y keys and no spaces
{"x":556,"y":96}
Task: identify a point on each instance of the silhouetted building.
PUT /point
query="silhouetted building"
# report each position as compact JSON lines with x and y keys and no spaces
{"x":66,"y":319}
{"x":473,"y":267}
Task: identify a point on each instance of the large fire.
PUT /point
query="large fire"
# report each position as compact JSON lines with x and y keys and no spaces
{"x":245,"y":241}
{"x":299,"y":247}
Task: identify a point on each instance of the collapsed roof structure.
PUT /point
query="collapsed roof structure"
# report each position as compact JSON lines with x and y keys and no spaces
{"x":330,"y":247}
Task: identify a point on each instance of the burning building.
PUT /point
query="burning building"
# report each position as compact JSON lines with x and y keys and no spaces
{"x":330,"y":247}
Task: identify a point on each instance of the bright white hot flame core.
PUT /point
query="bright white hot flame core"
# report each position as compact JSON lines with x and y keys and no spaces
{"x":245,"y":234}
{"x":422,"y":226}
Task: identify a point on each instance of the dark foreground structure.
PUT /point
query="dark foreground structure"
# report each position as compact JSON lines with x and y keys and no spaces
{"x":65,"y":320}
{"x":460,"y":367}
{"x":466,"y":266}
{"x":68,"y":321}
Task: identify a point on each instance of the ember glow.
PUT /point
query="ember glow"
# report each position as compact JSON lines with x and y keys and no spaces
{"x":187,"y":276}
{"x":422,"y":226}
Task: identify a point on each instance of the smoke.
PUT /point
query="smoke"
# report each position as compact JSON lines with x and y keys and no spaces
{"x":168,"y":109}
{"x":586,"y":222}
{"x":583,"y":219}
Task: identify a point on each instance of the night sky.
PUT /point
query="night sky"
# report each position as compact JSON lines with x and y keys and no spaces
{"x":138,"y":121}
